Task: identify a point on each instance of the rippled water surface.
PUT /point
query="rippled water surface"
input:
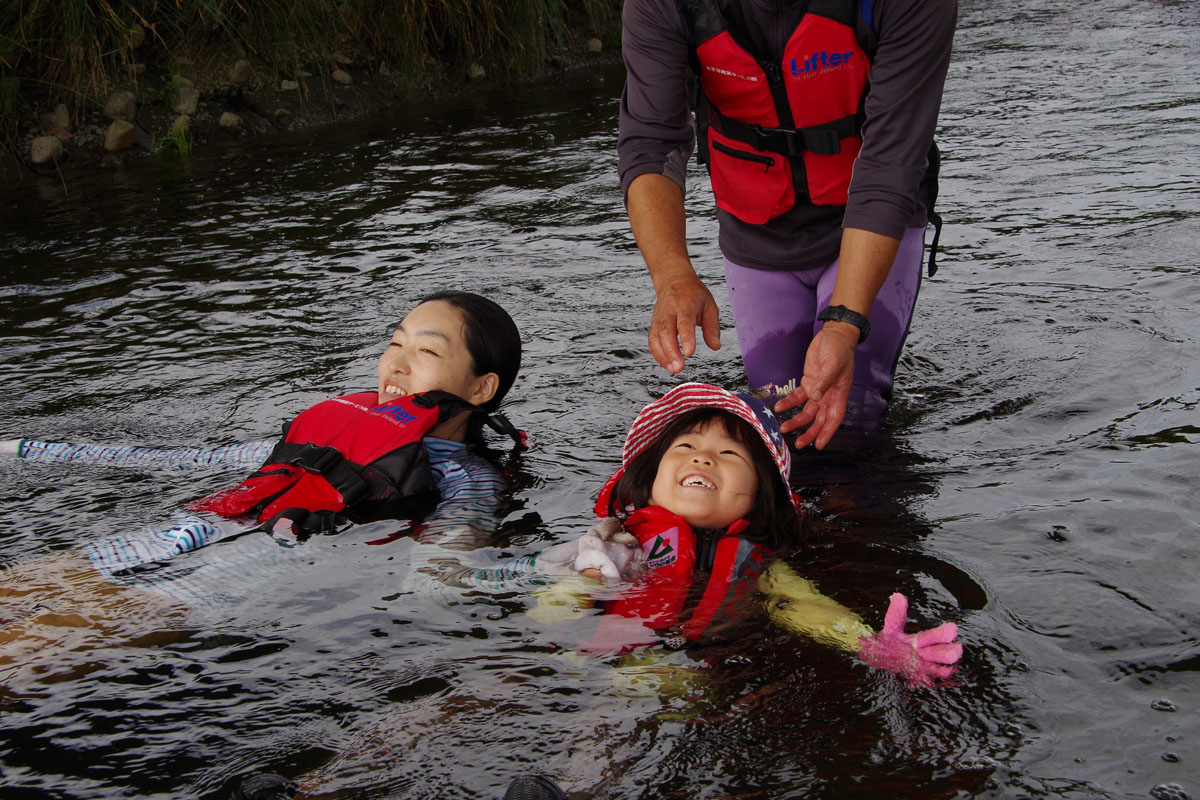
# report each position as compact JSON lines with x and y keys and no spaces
{"x":1037,"y":481}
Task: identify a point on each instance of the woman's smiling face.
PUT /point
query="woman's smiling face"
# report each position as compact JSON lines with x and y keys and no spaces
{"x":707,"y":477}
{"x":427,"y":352}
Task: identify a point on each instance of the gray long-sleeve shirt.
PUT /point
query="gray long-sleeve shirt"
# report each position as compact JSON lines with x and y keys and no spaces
{"x":887,"y":191}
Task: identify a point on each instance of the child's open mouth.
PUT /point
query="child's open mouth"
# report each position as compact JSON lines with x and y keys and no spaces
{"x":697,"y":481}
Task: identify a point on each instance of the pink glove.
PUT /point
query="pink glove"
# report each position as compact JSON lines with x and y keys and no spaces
{"x":920,"y":656}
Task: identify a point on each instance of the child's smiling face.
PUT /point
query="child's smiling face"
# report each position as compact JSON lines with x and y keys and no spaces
{"x":706,"y":477}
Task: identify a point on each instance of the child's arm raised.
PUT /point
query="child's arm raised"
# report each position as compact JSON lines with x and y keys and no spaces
{"x":795,"y":603}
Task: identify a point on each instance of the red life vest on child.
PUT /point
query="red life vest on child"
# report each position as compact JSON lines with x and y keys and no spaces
{"x":347,"y":456}
{"x":670,"y":546}
{"x":779,"y":133}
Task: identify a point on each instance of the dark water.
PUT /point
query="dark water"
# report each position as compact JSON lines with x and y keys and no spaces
{"x":1036,"y":484}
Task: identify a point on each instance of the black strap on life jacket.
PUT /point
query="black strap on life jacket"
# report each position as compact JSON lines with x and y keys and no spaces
{"x":493,"y":419}
{"x":935,"y":219}
{"x":306,"y":522}
{"x":501,"y":425}
{"x":330,"y":464}
{"x":825,"y":139}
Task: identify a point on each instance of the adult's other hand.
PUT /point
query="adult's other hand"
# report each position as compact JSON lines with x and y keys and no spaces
{"x":683,"y":304}
{"x":824,"y":388}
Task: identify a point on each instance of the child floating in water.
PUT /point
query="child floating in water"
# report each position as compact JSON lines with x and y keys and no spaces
{"x":703,"y":490}
{"x":704,"y":487}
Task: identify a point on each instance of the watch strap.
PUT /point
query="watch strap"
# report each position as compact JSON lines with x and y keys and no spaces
{"x":843,"y":314}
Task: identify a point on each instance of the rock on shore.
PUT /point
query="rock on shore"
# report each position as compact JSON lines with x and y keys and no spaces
{"x":236,"y":97}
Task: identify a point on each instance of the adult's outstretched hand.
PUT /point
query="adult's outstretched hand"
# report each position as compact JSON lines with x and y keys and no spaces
{"x":683,"y":304}
{"x":824,"y":388}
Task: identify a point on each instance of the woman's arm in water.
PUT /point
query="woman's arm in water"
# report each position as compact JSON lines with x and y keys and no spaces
{"x":245,"y":454}
{"x":604,"y":552}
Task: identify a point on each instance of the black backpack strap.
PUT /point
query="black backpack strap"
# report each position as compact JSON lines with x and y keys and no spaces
{"x":930,"y":185}
{"x":936,"y":219}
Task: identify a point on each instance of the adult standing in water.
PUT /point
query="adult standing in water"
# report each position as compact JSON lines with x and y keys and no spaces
{"x":816,"y":121}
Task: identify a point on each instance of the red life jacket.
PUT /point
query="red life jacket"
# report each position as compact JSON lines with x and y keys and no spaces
{"x":347,"y":456}
{"x":779,"y":133}
{"x":659,"y":598}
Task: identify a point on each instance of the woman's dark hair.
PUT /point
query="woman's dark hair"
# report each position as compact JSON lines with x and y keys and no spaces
{"x":773,"y":520}
{"x":491,"y":337}
{"x":493,"y":341}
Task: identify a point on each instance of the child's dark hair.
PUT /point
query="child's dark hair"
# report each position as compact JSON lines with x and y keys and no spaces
{"x":773,"y":520}
{"x":493,"y":341}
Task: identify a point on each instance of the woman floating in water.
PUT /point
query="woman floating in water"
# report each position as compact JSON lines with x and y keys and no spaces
{"x":404,"y":451}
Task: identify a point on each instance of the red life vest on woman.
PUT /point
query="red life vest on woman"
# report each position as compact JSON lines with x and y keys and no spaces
{"x":659,"y":598}
{"x":786,"y":131}
{"x":348,"y":456}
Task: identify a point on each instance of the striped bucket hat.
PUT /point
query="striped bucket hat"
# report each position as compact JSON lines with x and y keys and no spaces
{"x":652,"y":420}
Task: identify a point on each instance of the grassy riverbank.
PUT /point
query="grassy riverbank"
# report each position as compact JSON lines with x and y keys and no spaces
{"x":75,"y":54}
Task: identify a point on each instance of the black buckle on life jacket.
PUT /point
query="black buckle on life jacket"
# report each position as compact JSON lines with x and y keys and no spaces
{"x":331,"y":465}
{"x":315,"y":458}
{"x":776,"y":140}
{"x":790,"y":142}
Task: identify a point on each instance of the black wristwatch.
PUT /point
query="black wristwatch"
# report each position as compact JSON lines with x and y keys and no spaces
{"x":843,"y":314}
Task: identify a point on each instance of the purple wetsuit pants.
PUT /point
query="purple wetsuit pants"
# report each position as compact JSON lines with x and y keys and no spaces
{"x":775,"y":313}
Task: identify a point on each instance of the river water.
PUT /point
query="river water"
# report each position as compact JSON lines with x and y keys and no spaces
{"x":1036,"y":482}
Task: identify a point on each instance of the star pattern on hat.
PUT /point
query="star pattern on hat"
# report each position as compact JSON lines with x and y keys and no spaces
{"x":771,"y":425}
